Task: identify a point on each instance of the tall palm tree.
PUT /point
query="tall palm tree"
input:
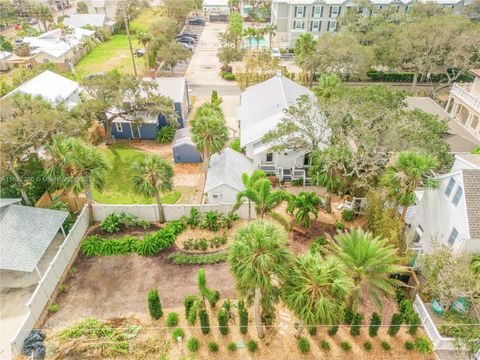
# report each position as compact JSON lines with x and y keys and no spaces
{"x":328,"y":169}
{"x":327,"y":85}
{"x":316,"y":290}
{"x":410,"y":171}
{"x":369,"y":261}
{"x":249,"y":33}
{"x":144,"y":37}
{"x":304,"y":51}
{"x":249,"y":193}
{"x":258,"y":35}
{"x":153,"y":175}
{"x":266,"y":199}
{"x":304,"y":204}
{"x":259,"y":261}
{"x":271,"y":30}
{"x":79,"y":165}
{"x":209,"y":132}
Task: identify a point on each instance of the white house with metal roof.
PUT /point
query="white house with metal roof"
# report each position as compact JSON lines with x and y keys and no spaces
{"x":98,"y":21}
{"x":450,"y":214}
{"x":261,"y":109}
{"x":52,"y":87}
{"x":224,"y":176}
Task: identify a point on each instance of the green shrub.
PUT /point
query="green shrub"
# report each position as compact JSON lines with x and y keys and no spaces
{"x":210,"y":222}
{"x":356,"y":322}
{"x":154,"y":305}
{"x":376,"y":75}
{"x":110,"y":247}
{"x":375,"y":323}
{"x":414,"y":321}
{"x":188,"y":302}
{"x":53,"y":308}
{"x":222,"y":317}
{"x":243,"y":316}
{"x":91,"y":245}
{"x":148,"y":246}
{"x":340,"y":226}
{"x":172,"y":319}
{"x":349,"y":315}
{"x":204,"y":322}
{"x":386,"y":346}
{"x":179,"y":258}
{"x":232,"y":347}
{"x":409,"y":345}
{"x":177,"y":332}
{"x":367,"y":345}
{"x":297,"y":182}
{"x":332,"y":330}
{"x":303,"y":345}
{"x":194,"y":219}
{"x":312,"y":330}
{"x":62,"y":288}
{"x":213,"y":347}
{"x":165,"y":135}
{"x":423,"y":345}
{"x":345,"y":345}
{"x":394,"y":328}
{"x":348,"y":215}
{"x":325,"y":345}
{"x":235,"y":145}
{"x":252,"y":346}
{"x":399,"y":296}
{"x":228,"y":76}
{"x":406,"y":307}
{"x":111,"y":223}
{"x":193,"y":344}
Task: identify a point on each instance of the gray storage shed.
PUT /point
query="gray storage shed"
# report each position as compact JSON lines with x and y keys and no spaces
{"x":184,"y":150}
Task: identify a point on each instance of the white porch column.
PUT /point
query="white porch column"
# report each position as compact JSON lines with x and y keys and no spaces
{"x":455,"y":107}
{"x":469,"y":120}
{"x":448,"y":102}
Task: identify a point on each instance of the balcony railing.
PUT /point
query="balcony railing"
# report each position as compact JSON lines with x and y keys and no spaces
{"x":467,"y":97}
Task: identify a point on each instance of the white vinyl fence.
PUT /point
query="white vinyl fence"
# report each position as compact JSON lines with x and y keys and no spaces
{"x":50,"y":279}
{"x":171,"y":212}
{"x":439,"y":342}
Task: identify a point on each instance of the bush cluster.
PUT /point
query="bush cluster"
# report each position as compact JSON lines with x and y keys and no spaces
{"x":203,"y":244}
{"x":172,"y":319}
{"x":193,"y":344}
{"x":346,"y":346}
{"x":423,"y":345}
{"x":115,"y":222}
{"x":204,"y":322}
{"x":348,"y":215}
{"x":154,"y":304}
{"x":332,"y":330}
{"x":386,"y":345}
{"x":188,"y":303}
{"x":213,"y":347}
{"x":367,"y":345}
{"x":318,"y":245}
{"x":243,"y":316}
{"x":165,"y":135}
{"x":394,"y":328}
{"x":356,"y":322}
{"x":227,"y":75}
{"x":340,"y":226}
{"x":223,"y":321}
{"x":375,"y":323}
{"x":213,"y":220}
{"x":409,"y":345}
{"x":325,"y":345}
{"x":179,"y":258}
{"x":303,"y":345}
{"x":252,"y":346}
{"x":178,"y":332}
{"x":232,"y":347}
{"x":409,"y":315}
{"x":375,"y":75}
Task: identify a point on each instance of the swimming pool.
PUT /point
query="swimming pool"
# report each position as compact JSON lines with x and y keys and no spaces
{"x":252,"y":43}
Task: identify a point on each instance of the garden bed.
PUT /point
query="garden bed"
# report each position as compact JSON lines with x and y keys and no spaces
{"x":300,"y":244}
{"x":135,"y":231}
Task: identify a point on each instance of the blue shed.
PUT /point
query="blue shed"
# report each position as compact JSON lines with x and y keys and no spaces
{"x":172,"y":87}
{"x":184,"y":150}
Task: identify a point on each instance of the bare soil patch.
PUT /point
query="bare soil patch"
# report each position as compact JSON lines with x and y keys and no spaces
{"x":300,"y":244}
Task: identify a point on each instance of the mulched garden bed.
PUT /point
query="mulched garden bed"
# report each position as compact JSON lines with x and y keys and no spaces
{"x":299,"y":243}
{"x":136,"y":231}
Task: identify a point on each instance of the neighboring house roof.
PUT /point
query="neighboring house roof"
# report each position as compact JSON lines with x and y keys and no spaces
{"x":471,"y":188}
{"x":183,"y":136}
{"x":262,"y":105}
{"x":473,"y":159}
{"x":80,"y":20}
{"x":459,"y":139}
{"x":48,"y":85}
{"x":226,"y":168}
{"x":172,"y":87}
{"x":6,"y":202}
{"x":4,"y":55}
{"x":25,"y":234}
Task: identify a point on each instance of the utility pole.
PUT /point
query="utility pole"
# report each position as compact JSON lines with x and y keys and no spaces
{"x":128,"y":36}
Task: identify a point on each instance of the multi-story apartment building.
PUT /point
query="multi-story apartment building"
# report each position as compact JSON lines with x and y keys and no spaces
{"x":294,"y":17}
{"x":464,"y":104}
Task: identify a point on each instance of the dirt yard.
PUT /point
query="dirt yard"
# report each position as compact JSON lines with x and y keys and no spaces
{"x":188,"y":178}
{"x":116,"y":286}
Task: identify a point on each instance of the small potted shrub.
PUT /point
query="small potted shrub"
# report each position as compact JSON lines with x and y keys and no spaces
{"x":303,"y":345}
{"x":345,"y":345}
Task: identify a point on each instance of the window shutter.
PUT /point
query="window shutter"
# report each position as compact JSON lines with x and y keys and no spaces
{"x":304,"y":11}
{"x":295,"y":11}
{"x":330,"y":14}
{"x":328,"y":25}
{"x":313,"y":11}
{"x":311,"y":25}
{"x":339,"y":10}
{"x":321,"y":11}
{"x":319,"y":25}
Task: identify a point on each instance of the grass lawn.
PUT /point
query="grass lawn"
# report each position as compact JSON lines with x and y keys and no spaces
{"x":118,"y":185}
{"x":111,"y":54}
{"x":143,"y":21}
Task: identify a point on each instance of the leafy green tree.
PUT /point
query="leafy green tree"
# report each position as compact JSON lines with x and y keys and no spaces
{"x":260,"y":261}
{"x":82,"y":7}
{"x":152,"y":176}
{"x":209,"y":132}
{"x":235,"y":27}
{"x":316,"y":290}
{"x":171,"y":54}
{"x":144,"y":38}
{"x":302,"y":205}
{"x":304,"y":51}
{"x":409,"y":172}
{"x":327,"y":86}
{"x":369,"y":262}
{"x":249,"y":193}
{"x":228,"y":54}
{"x":80,"y":166}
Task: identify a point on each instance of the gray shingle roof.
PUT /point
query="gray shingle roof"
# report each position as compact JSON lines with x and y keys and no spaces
{"x":6,"y":202}
{"x":226,"y":168}
{"x":25,"y":234}
{"x":183,"y":136}
{"x":471,"y":184}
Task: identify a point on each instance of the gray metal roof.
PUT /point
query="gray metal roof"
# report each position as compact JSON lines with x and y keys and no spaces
{"x":80,"y":20}
{"x":473,"y":159}
{"x":172,"y":87}
{"x":6,"y":202}
{"x":471,"y":188}
{"x":25,"y":234}
{"x":183,"y":136}
{"x":226,"y":168}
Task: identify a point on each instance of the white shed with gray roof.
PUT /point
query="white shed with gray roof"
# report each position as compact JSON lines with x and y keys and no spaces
{"x":224,"y":176}
{"x":183,"y":148}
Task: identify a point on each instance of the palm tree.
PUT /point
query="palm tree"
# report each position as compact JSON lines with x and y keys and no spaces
{"x":410,"y":171}
{"x":144,"y":37}
{"x":369,"y":261}
{"x":249,"y":33}
{"x":304,"y":204}
{"x":249,"y":193}
{"x":316,"y":290}
{"x":153,"y":175}
{"x":327,"y":170}
{"x":266,"y":199}
{"x":209,"y":132}
{"x":258,"y":35}
{"x":271,"y":30}
{"x":327,"y":85}
{"x":259,"y":261}
{"x":304,"y":50}
{"x":79,"y":165}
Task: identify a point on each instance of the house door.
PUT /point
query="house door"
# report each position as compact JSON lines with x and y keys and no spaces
{"x":135,"y":131}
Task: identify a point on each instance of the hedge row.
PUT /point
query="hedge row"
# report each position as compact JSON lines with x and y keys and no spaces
{"x":375,"y":75}
{"x":148,"y":246}
{"x":185,"y":259}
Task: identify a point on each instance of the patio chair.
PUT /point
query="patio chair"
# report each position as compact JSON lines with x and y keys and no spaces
{"x":437,"y":307}
{"x":460,"y":305}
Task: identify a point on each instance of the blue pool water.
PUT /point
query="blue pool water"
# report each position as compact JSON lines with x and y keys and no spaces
{"x":252,"y":43}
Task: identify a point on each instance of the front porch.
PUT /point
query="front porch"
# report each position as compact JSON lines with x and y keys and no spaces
{"x":285,"y":174}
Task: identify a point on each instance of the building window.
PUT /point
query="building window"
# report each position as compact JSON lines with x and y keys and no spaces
{"x":453,"y":236}
{"x":407,"y":8}
{"x":474,"y":123}
{"x":315,"y":25}
{"x":119,"y":127}
{"x":317,"y":11}
{"x":448,"y":189}
{"x":269,"y":157}
{"x":332,"y":25}
{"x":298,"y":25}
{"x":299,"y":11}
{"x":307,"y":159}
{"x":334,"y":11}
{"x":360,"y":10}
{"x":216,"y":196}
{"x":457,"y":196}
